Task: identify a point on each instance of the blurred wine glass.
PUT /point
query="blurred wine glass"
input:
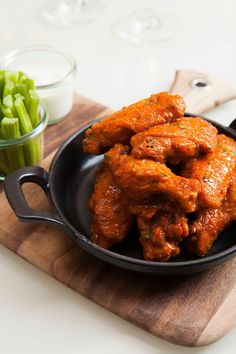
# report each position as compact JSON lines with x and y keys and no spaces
{"x":72,"y":12}
{"x":146,"y":25}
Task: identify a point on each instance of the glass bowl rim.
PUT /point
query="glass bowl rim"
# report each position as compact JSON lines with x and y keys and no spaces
{"x":4,"y":143}
{"x":38,"y":48}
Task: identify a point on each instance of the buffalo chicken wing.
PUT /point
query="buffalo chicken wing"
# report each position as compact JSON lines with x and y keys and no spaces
{"x":210,"y":222}
{"x":120,"y":126}
{"x":141,"y":179}
{"x":175,"y":141}
{"x":161,"y":227}
{"x":214,"y":171}
{"x":111,"y":217}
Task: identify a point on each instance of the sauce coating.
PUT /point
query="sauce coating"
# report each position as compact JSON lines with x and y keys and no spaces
{"x":175,"y":141}
{"x":211,"y":221}
{"x":111,"y":217}
{"x":214,"y":171}
{"x":122,"y":125}
{"x":161,"y":228}
{"x":141,"y":179}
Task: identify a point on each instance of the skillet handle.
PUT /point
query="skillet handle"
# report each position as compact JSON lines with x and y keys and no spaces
{"x":13,"y":189}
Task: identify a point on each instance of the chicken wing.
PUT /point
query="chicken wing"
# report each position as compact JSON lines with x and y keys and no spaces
{"x":120,"y":126}
{"x":175,"y":141}
{"x":140,"y":179}
{"x":111,"y":217}
{"x":161,"y":228}
{"x":214,"y":171}
{"x":210,"y":222}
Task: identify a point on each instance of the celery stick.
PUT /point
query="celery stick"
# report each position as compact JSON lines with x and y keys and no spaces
{"x":30,"y":84}
{"x":9,"y":103}
{"x":21,"y":89}
{"x":1,"y":112}
{"x":7,"y":112}
{"x":23,"y":79}
{"x":24,"y":87}
{"x":10,"y":130}
{"x":8,"y":88}
{"x":18,"y":95}
{"x":30,"y":87}
{"x":1,"y":83}
{"x":25,"y":123}
{"x":4,"y":164}
{"x":20,"y":74}
{"x":11,"y":75}
{"x":33,"y":108}
{"x":32,"y":152}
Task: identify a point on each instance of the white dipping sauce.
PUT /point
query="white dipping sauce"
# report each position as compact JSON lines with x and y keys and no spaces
{"x":43,"y":73}
{"x":53,"y":74}
{"x":58,"y":100}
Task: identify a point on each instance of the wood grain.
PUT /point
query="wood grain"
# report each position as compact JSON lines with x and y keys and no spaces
{"x":190,"y":310}
{"x":200,"y":99}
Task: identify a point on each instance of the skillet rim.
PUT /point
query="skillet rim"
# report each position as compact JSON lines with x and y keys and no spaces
{"x":119,"y":259}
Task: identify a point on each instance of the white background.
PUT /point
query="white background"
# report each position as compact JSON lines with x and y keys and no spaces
{"x":38,"y":314}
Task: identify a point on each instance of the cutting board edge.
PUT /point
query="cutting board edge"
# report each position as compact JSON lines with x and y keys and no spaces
{"x":213,"y":332}
{"x":214,"y":329}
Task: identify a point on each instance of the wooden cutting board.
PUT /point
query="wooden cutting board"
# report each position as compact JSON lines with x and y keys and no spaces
{"x":190,"y":310}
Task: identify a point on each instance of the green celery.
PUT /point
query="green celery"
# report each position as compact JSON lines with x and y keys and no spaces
{"x":9,"y":102}
{"x":7,"y":112}
{"x":30,"y":84}
{"x":34,"y":108}
{"x":1,"y":83}
{"x":33,"y":152}
{"x":23,"y":79}
{"x":20,"y":74}
{"x":25,"y":123}
{"x":11,"y":75}
{"x":4,"y":164}
{"x":1,"y":112}
{"x":22,"y":89}
{"x":19,"y":115}
{"x":8,"y":88}
{"x":10,"y":130}
{"x":31,"y":149}
{"x":18,"y":95}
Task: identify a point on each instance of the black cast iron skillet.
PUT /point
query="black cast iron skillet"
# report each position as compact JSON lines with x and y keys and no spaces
{"x":69,"y":185}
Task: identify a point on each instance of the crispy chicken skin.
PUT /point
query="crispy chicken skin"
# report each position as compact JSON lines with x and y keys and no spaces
{"x":175,"y":141}
{"x":214,"y":171}
{"x":111,"y":217}
{"x":210,"y":222}
{"x":140,"y":179}
{"x":161,"y":227}
{"x":120,"y":126}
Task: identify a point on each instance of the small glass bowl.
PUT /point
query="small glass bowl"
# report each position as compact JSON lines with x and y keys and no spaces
{"x":53,"y":73}
{"x":26,"y":150}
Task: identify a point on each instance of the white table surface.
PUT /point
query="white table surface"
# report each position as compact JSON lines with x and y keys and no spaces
{"x":38,"y":315}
